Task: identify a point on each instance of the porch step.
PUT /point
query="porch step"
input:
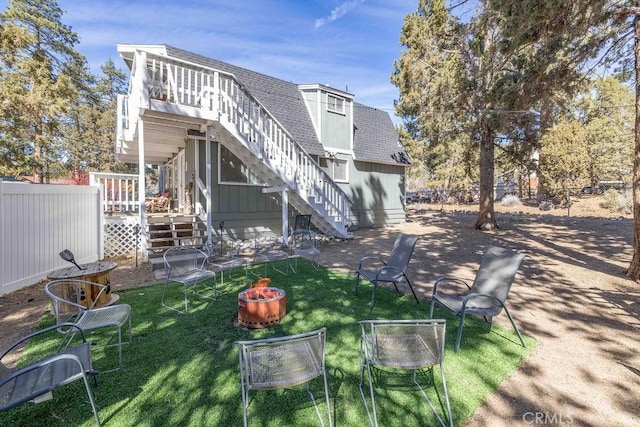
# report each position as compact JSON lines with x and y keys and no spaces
{"x":165,"y":231}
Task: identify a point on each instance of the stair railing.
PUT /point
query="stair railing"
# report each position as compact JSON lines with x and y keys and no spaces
{"x":224,"y":99}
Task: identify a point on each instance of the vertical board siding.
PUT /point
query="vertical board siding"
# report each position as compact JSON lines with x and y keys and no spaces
{"x":37,"y":221}
{"x":377,"y":194}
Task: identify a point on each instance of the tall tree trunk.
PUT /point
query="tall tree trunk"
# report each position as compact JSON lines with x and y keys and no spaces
{"x":634,"y":268}
{"x":486,"y":215}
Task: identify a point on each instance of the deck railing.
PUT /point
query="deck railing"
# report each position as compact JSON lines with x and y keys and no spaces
{"x":119,"y":191}
{"x":220,"y":96}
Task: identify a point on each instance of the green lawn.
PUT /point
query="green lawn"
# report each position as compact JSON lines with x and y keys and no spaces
{"x":182,"y":370}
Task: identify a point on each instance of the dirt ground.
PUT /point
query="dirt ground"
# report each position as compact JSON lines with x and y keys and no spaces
{"x":571,"y":295}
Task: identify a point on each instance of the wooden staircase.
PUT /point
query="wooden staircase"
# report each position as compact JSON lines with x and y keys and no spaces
{"x":241,"y":123}
{"x":166,"y":231}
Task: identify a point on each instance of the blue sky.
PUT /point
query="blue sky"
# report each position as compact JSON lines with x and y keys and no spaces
{"x":348,"y":44}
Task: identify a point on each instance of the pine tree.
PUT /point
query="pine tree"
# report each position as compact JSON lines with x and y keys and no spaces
{"x":41,"y":77}
{"x":90,"y":128}
{"x":513,"y":57}
{"x":431,"y":103}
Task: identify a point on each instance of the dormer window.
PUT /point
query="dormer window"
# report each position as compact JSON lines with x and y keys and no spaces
{"x":335,"y":104}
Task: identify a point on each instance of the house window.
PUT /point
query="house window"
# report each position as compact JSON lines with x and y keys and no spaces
{"x":335,"y":168}
{"x":335,"y":104}
{"x":231,"y":170}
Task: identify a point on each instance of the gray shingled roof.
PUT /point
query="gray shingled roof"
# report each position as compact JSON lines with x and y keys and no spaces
{"x":375,"y":139}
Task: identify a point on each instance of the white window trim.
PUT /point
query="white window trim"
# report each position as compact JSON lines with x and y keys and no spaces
{"x":343,"y":103}
{"x":332,"y":172}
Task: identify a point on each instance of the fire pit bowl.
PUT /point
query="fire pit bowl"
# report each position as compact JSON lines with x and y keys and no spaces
{"x":261,"y":307}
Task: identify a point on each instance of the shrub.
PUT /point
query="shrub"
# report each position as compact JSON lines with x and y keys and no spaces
{"x":510,"y":201}
{"x":610,"y":199}
{"x":546,"y":205}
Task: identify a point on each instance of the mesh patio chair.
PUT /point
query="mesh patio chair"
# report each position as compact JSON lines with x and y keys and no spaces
{"x":487,"y":295}
{"x":303,"y":244}
{"x":68,"y":306}
{"x":187,"y":265}
{"x":402,"y":345}
{"x":283,"y":362}
{"x":269,"y":249}
{"x":223,"y":254}
{"x":394,"y":269}
{"x":302,"y":223}
{"x":36,"y":381}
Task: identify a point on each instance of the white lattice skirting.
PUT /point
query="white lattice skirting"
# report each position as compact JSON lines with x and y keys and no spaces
{"x":121,"y":237}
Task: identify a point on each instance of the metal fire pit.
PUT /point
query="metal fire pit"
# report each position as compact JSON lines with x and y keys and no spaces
{"x":260,"y":308}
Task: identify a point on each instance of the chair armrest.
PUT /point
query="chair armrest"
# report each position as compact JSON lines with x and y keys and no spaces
{"x":367,"y":259}
{"x":386,"y":268}
{"x":57,"y":299}
{"x":43,"y":331}
{"x":49,"y":360}
{"x":445,"y":279}
{"x":470,"y":297}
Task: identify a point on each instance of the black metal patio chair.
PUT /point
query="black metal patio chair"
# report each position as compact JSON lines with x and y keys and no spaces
{"x":487,"y":296}
{"x":393,"y":269}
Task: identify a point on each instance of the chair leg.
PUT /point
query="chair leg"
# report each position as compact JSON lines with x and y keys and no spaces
{"x":355,"y":290}
{"x":245,"y":406}
{"x":459,"y":333}
{"x":374,"y":421}
{"x":315,"y":403}
{"x":433,"y":301}
{"x":246,"y":274}
{"x":515,"y":327}
{"x":119,"y":345}
{"x":315,"y":262}
{"x":130,"y":331}
{"x":164,"y":291}
{"x":213,"y":288}
{"x":326,"y":395}
{"x":433,"y":408}
{"x":286,"y":269}
{"x":446,"y":396}
{"x":373,"y":295}
{"x":91,"y":400}
{"x":412,"y":291}
{"x":294,"y":269}
{"x":173,"y":308}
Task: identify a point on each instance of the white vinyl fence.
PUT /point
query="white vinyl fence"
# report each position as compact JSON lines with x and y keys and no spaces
{"x":37,"y":221}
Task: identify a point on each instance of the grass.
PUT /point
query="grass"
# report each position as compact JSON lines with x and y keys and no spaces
{"x":183,"y":369}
